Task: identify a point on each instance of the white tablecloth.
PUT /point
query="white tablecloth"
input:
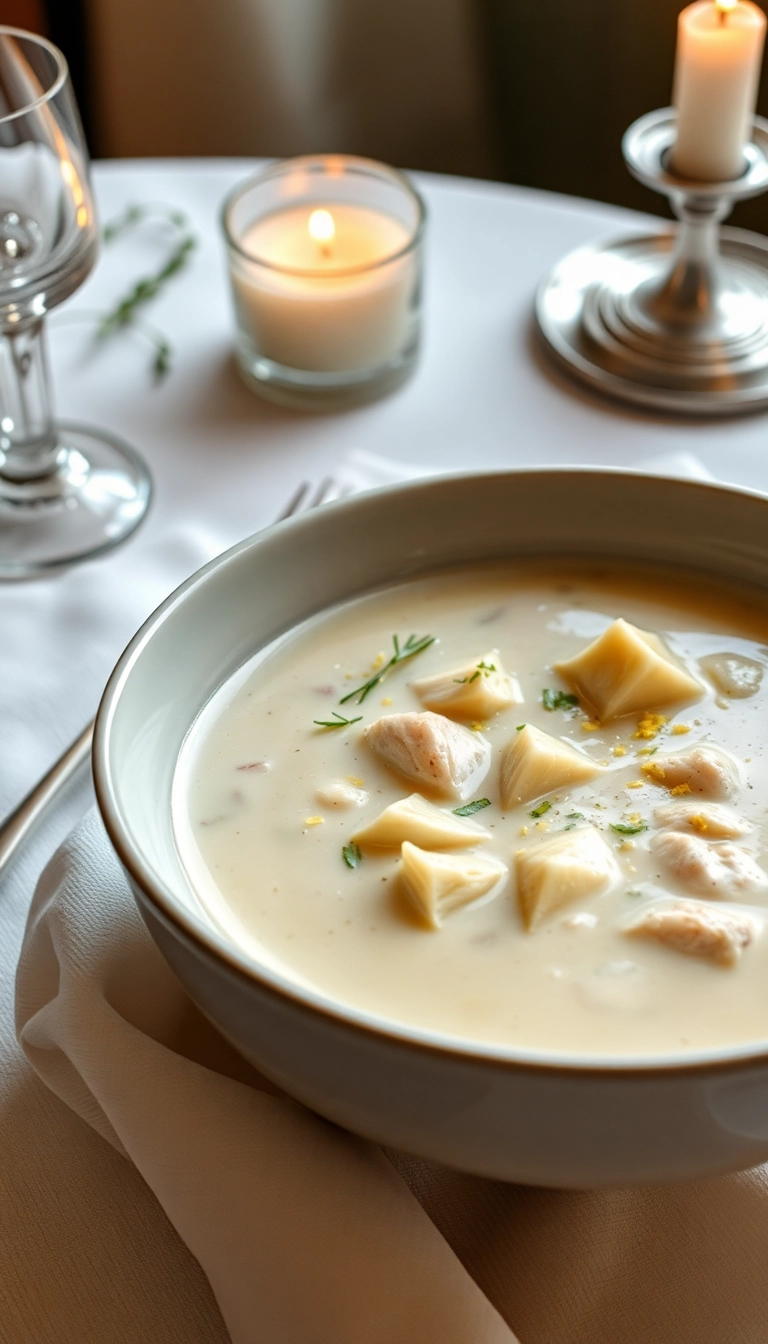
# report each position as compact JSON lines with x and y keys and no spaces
{"x":224,"y":463}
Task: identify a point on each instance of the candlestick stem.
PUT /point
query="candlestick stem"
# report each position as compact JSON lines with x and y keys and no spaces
{"x":687,"y":297}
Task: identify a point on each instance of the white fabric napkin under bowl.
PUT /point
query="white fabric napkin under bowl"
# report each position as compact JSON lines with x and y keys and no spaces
{"x":309,"y":1235}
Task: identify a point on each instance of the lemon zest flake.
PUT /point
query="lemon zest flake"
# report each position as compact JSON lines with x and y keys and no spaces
{"x":654,"y":771}
{"x":314,"y":821}
{"x":681,"y":728}
{"x":650,"y":725}
{"x":679,"y":789}
{"x":619,"y":751}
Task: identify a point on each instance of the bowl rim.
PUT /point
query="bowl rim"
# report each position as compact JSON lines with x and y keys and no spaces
{"x":207,"y":942}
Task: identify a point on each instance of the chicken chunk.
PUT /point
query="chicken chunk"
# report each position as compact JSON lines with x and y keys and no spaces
{"x":697,"y":930}
{"x":568,"y":868}
{"x":475,"y":691}
{"x":733,"y":674}
{"x":721,"y":871}
{"x":626,"y":670}
{"x":431,"y":750}
{"x":703,"y":770}
{"x":710,"y":820}
{"x":421,"y":823}
{"x":441,"y":883}
{"x":534,"y":763}
{"x":340,"y":793}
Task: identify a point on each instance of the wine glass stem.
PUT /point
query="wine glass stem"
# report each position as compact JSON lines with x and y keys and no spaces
{"x":28,"y":445}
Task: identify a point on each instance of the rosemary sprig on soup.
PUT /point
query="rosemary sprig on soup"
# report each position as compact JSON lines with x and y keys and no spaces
{"x":413,"y":645}
{"x":491,"y":830}
{"x":337,"y":721}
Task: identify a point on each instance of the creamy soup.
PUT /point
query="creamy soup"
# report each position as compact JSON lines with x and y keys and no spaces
{"x":571,"y":766}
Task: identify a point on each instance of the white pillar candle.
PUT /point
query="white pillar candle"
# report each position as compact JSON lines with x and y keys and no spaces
{"x":328,"y":287}
{"x":719,"y":52}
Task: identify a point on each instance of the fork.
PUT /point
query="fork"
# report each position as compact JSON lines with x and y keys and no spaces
{"x":19,"y":824}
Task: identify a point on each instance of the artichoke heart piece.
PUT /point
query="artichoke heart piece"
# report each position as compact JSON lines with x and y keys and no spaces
{"x":421,"y":823}
{"x":696,"y":929}
{"x":441,"y":883}
{"x":432,"y":751}
{"x":568,"y":868}
{"x":476,"y":691}
{"x":626,"y":670}
{"x":534,"y":763}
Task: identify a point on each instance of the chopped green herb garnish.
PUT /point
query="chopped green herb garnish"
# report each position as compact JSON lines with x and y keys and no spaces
{"x":520,"y":727}
{"x":338,"y":721}
{"x":541,"y":809}
{"x":413,"y":645}
{"x":572,"y":818}
{"x":622,"y":829}
{"x":482,"y":670}
{"x":469,"y":809}
{"x":351,"y":854}
{"x":558,"y":700}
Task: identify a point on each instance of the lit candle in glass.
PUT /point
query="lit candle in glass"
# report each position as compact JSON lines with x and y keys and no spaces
{"x":717,"y":69}
{"x":325,"y":271}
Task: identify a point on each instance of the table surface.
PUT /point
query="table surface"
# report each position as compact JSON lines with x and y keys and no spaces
{"x":224,"y":463}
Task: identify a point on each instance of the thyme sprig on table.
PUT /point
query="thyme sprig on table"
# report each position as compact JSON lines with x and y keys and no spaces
{"x":414,"y":644}
{"x":127,"y":313}
{"x":124,"y":313}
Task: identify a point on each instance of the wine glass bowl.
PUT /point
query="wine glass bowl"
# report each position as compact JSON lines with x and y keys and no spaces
{"x":66,"y":492}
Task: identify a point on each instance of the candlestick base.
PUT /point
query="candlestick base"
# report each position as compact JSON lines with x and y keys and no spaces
{"x":676,"y":320}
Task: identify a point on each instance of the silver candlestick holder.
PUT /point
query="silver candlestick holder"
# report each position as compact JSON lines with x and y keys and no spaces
{"x":676,"y":320}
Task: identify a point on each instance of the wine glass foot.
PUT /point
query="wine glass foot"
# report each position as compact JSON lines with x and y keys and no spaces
{"x":95,"y":498}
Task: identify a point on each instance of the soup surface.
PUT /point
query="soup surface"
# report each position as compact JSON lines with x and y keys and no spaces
{"x":645,"y":937}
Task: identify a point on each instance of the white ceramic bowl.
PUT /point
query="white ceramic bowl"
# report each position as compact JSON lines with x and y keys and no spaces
{"x":519,"y":1115}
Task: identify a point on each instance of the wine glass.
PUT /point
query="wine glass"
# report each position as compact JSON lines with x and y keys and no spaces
{"x":66,"y":492}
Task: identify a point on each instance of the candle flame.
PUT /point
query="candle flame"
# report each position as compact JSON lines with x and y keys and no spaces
{"x":321,"y":227}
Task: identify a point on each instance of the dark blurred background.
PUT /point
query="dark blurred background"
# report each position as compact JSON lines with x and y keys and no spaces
{"x":536,"y":92}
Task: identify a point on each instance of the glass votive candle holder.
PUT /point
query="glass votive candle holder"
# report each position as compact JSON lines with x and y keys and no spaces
{"x":325,"y":262}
